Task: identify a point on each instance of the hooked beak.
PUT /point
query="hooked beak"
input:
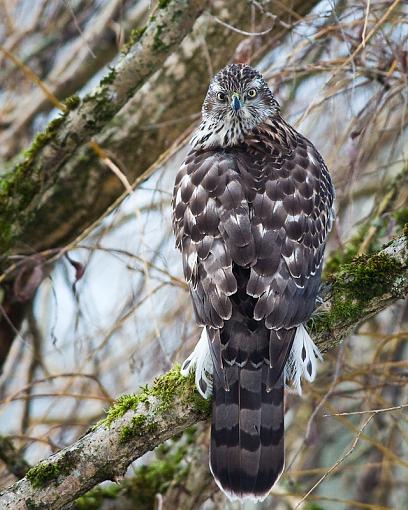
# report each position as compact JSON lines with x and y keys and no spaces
{"x":236,"y":103}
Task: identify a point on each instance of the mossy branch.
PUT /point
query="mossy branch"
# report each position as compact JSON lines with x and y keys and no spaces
{"x":134,"y":425}
{"x":59,"y":186}
{"x":82,"y":119}
{"x":138,"y":423}
{"x":358,"y":290}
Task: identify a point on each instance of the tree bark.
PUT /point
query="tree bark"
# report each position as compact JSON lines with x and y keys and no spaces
{"x":73,"y":72}
{"x":40,"y":180}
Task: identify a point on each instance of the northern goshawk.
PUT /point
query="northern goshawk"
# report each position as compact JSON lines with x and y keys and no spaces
{"x":252,"y":208}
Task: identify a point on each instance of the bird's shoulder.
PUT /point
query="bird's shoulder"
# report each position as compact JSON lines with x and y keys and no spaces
{"x":275,"y":159}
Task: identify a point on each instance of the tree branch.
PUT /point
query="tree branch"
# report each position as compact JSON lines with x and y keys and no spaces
{"x":73,"y":72}
{"x":134,"y":425}
{"x":138,"y":423}
{"x":142,"y":106}
{"x":83,"y":119}
{"x":360,"y":289}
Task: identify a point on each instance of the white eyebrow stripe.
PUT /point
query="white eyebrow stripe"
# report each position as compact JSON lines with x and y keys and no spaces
{"x":216,"y":87}
{"x":257,"y":82}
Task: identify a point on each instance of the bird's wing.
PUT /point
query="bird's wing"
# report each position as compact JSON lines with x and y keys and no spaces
{"x":291,"y":219}
{"x":213,"y":229}
{"x":274,"y":222}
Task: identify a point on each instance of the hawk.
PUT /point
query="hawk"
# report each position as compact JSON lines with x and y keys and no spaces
{"x":252,"y":208}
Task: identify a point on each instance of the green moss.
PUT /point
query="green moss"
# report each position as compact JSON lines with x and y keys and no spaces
{"x":406,"y":231}
{"x":103,"y":110}
{"x":401,"y":217}
{"x":158,"y":44}
{"x":94,"y":498}
{"x":123,"y":404}
{"x":45,"y":472}
{"x":163,"y":3}
{"x":355,"y":285}
{"x":173,"y":385}
{"x":43,"y":138}
{"x":140,"y":420}
{"x":166,"y":389}
{"x":40,"y":140}
{"x":344,"y":310}
{"x":72,"y":102}
{"x":368,"y":277}
{"x":199,"y":404}
{"x":41,"y":474}
{"x":134,"y":37}
{"x":20,"y":184}
{"x":140,"y":425}
{"x":109,"y":78}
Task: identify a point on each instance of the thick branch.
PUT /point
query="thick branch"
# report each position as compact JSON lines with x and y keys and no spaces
{"x":21,"y":186}
{"x":61,"y":187}
{"x":74,"y":71}
{"x":138,"y":423}
{"x":134,"y":425}
{"x":359,"y":290}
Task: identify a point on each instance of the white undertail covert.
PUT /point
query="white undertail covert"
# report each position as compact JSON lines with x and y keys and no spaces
{"x":302,"y":362}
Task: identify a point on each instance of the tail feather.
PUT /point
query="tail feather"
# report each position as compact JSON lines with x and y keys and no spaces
{"x":247,"y":433}
{"x":247,"y":445}
{"x":272,"y":436}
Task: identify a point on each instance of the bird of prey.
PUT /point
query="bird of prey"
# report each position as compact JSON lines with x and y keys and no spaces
{"x":252,"y":208}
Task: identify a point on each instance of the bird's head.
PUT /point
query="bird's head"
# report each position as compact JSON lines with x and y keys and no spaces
{"x":237,"y":101}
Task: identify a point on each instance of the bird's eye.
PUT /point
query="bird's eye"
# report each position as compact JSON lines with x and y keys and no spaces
{"x":221,"y":97}
{"x":251,"y":93}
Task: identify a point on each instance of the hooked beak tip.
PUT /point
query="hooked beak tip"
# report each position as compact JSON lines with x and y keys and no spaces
{"x":236,"y":104}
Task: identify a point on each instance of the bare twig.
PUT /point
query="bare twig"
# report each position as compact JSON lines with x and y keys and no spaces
{"x":370,"y":411}
{"x":337,"y":463}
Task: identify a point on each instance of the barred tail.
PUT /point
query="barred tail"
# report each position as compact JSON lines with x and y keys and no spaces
{"x":247,"y":432}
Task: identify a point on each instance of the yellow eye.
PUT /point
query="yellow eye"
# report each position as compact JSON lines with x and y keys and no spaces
{"x":221,"y":97}
{"x":251,"y":93}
